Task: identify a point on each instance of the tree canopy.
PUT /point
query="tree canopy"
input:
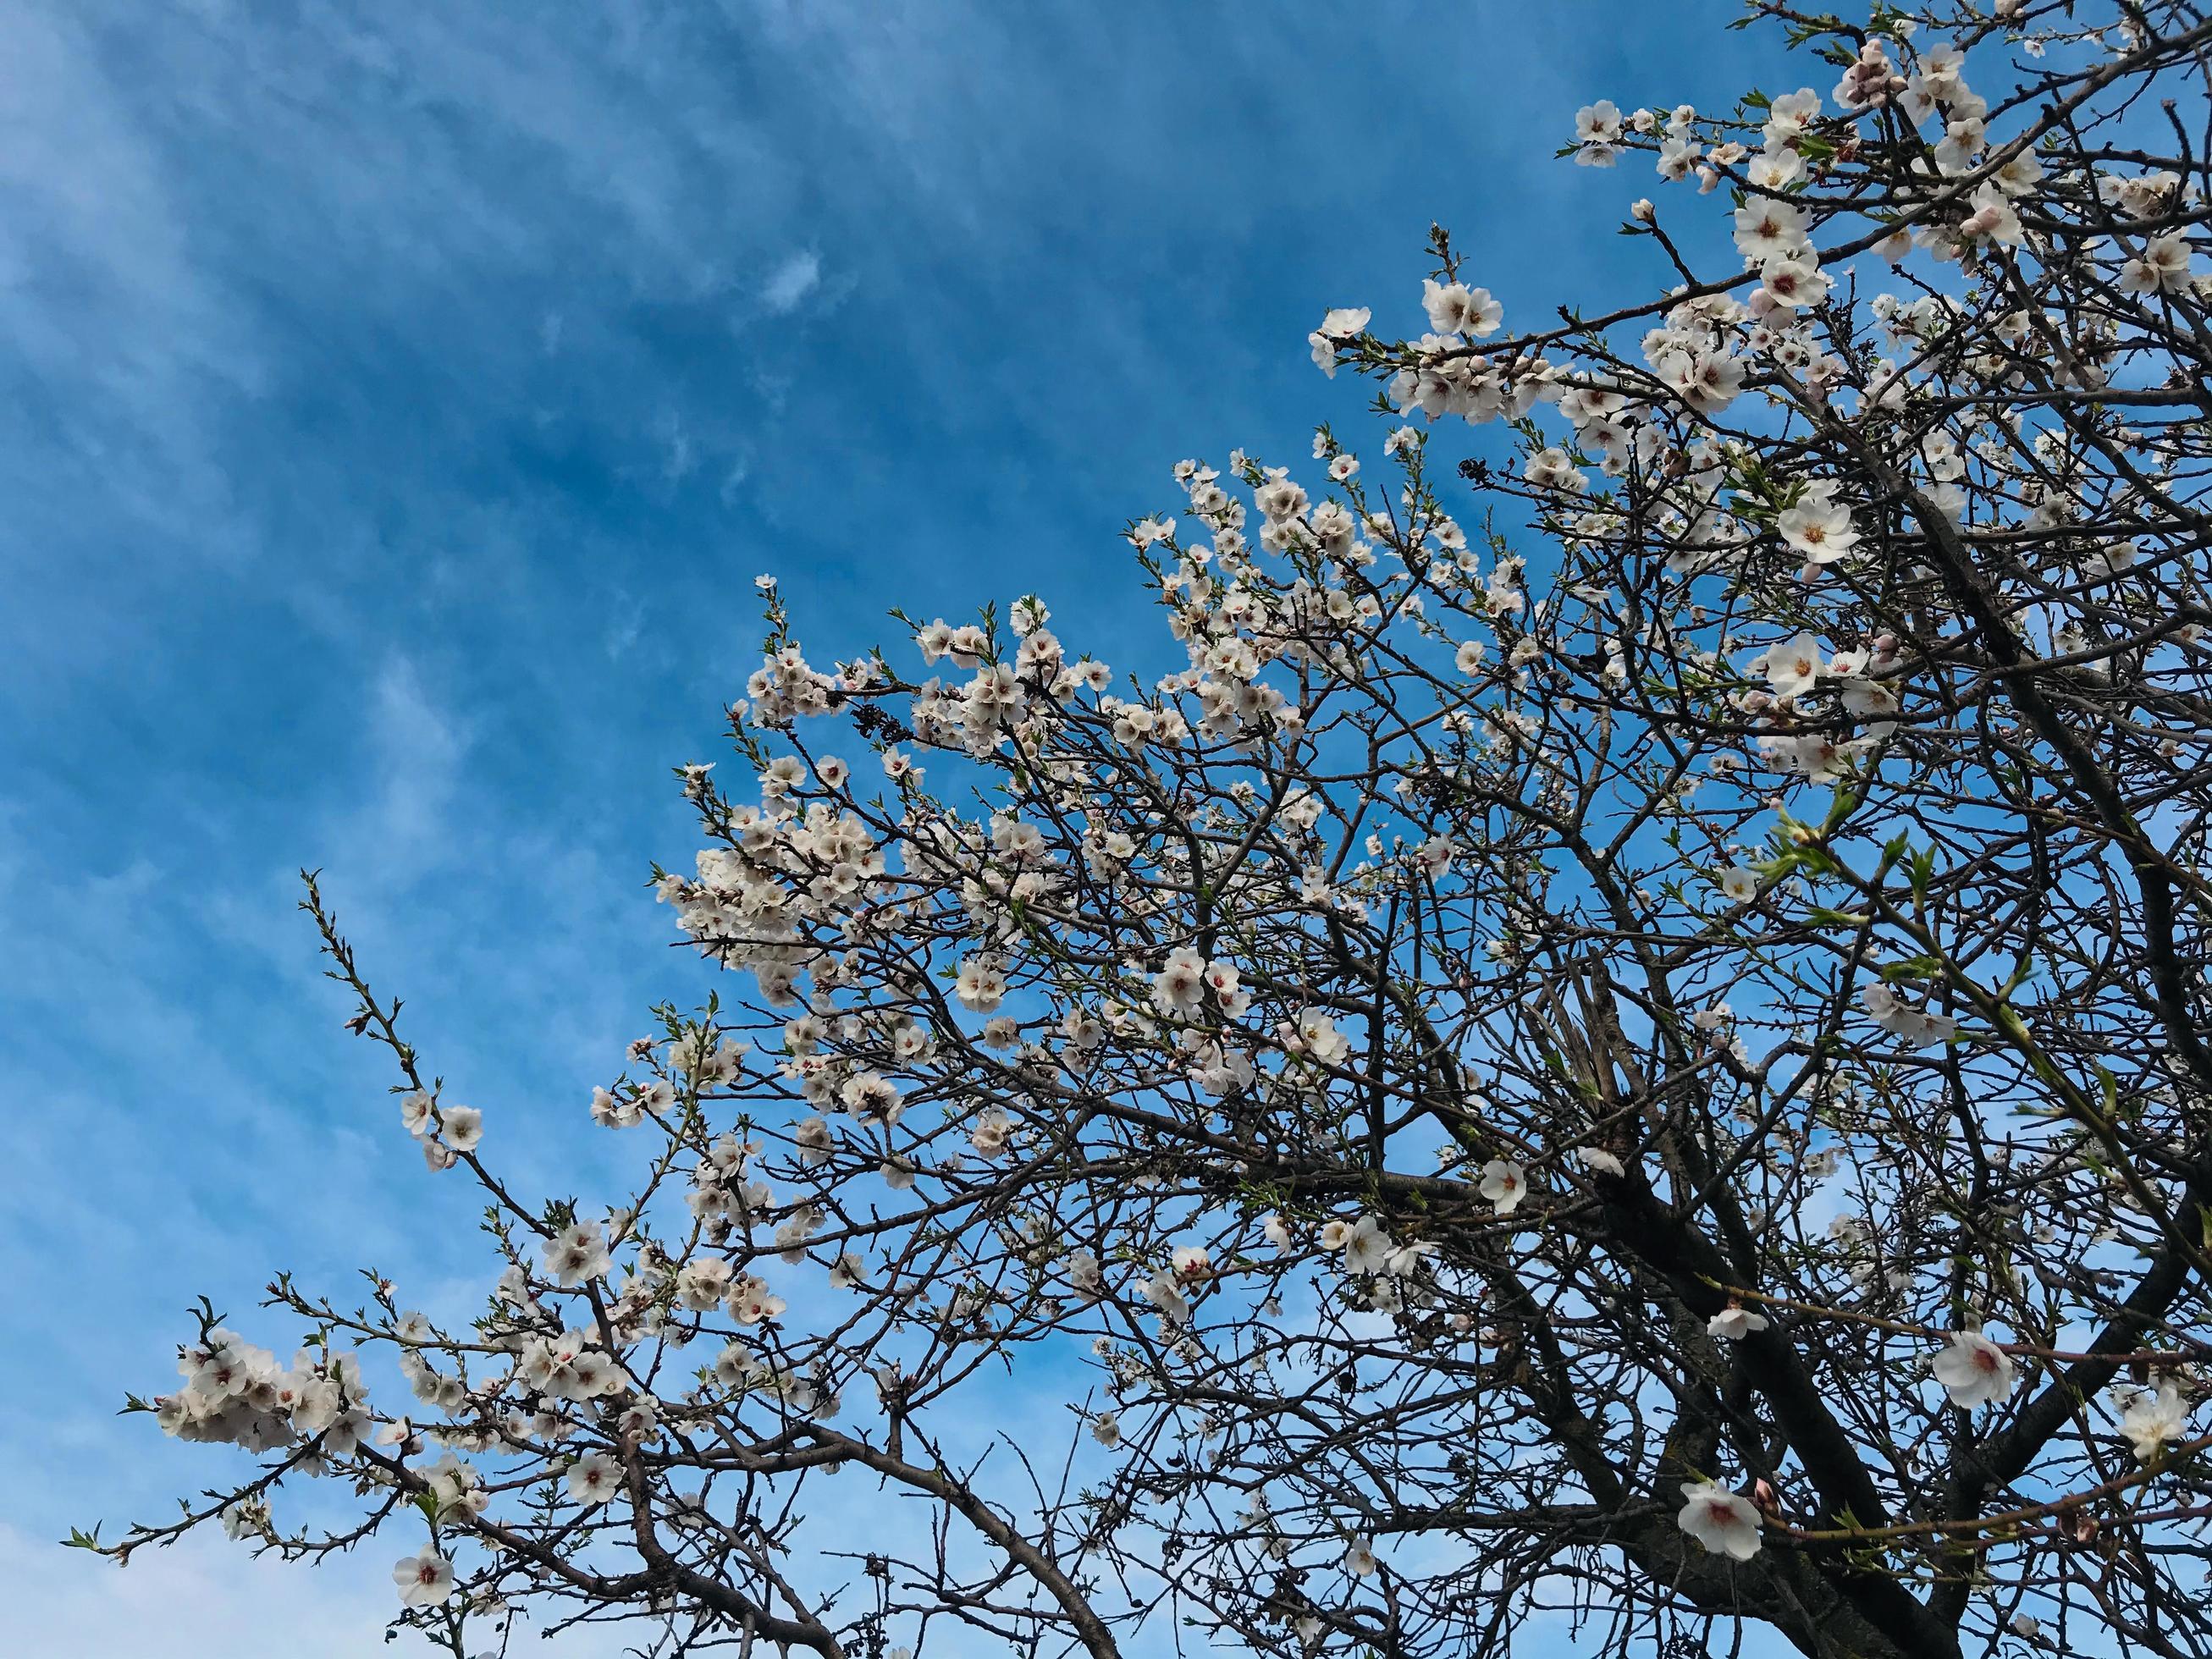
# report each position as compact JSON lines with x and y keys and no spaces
{"x":1625,"y":1042}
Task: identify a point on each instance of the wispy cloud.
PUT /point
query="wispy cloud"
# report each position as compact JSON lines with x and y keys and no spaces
{"x":208,"y":1598}
{"x":789,"y":284}
{"x":416,"y":751}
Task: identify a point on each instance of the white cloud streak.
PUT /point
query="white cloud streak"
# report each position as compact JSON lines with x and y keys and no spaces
{"x":789,"y":284}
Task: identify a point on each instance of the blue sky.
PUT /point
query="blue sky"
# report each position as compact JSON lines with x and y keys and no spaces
{"x":396,"y":404}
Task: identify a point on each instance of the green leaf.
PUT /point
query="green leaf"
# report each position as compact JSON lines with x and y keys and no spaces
{"x":1924,"y":872}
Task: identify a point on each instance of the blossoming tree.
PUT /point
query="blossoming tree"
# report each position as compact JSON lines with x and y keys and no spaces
{"x":1623,"y":1040}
